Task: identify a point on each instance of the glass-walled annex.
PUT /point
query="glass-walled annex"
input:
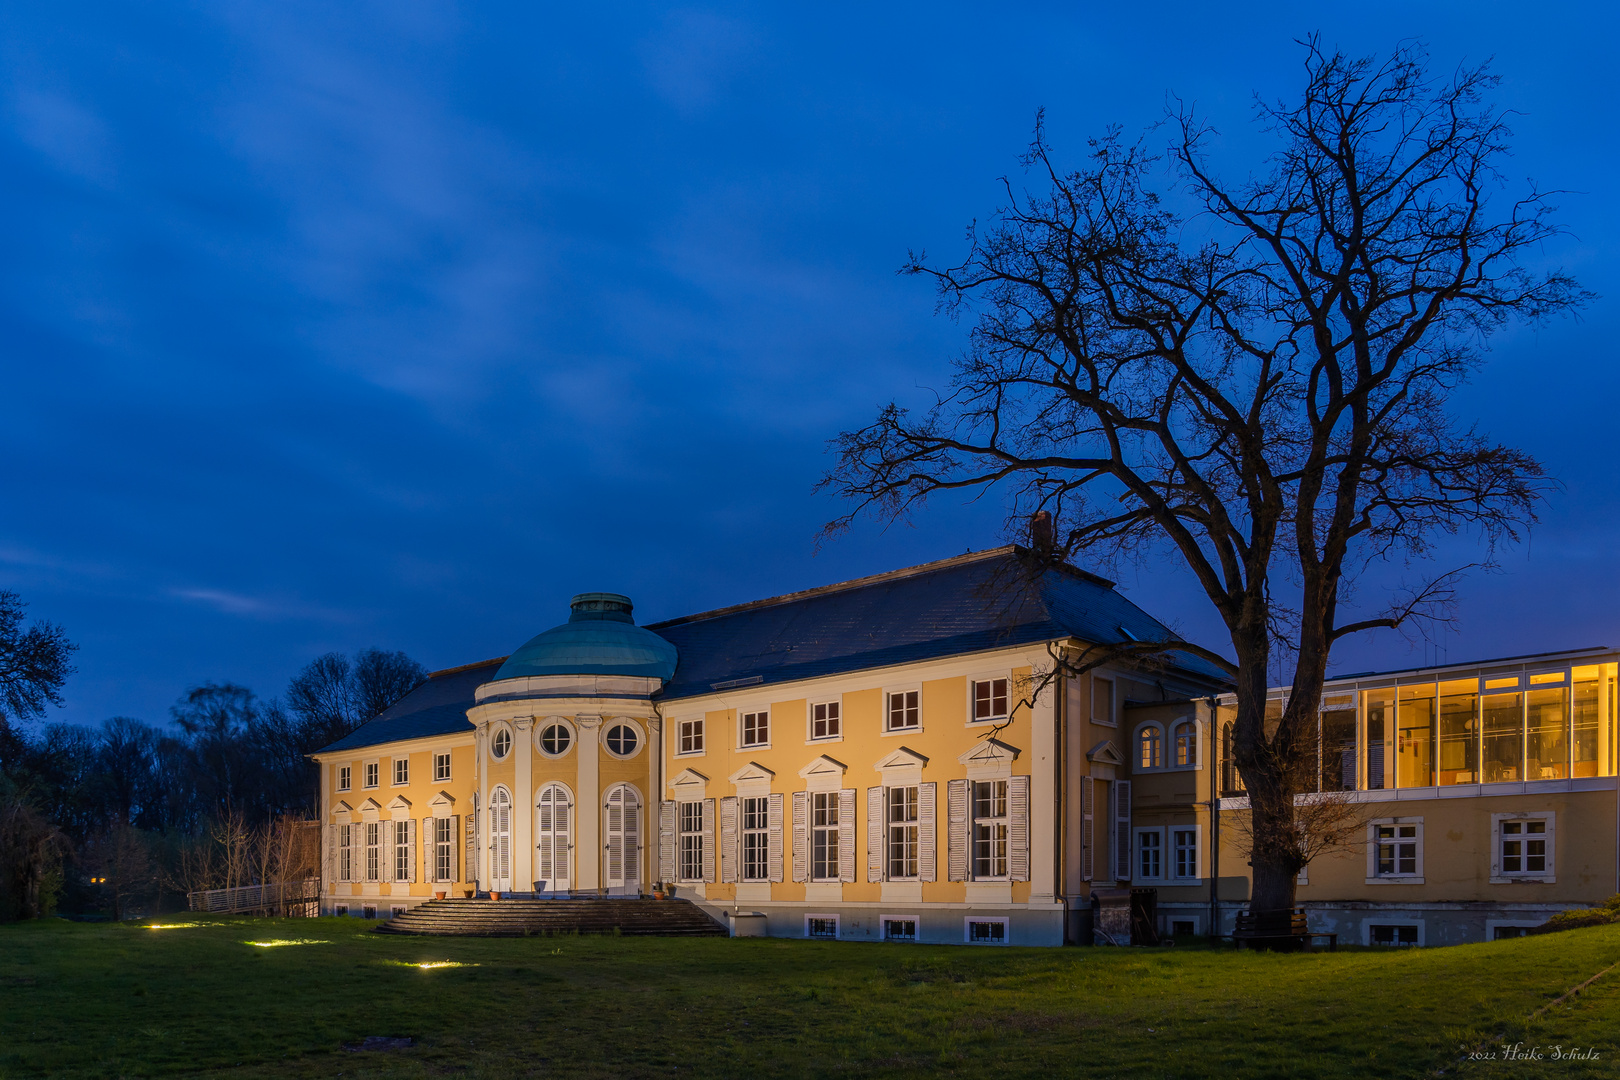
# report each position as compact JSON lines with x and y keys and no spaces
{"x":1549,"y":717}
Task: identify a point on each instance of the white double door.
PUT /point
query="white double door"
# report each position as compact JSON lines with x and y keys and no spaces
{"x":554,"y":848}
{"x":500,"y":841}
{"x":621,"y":832}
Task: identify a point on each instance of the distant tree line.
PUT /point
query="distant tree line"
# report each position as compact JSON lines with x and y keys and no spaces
{"x":111,"y":819}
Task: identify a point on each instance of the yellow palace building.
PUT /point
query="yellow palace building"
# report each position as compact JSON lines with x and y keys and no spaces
{"x":882,"y":760}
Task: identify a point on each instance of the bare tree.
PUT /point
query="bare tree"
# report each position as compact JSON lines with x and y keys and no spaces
{"x":34,"y":663}
{"x":1258,"y":387}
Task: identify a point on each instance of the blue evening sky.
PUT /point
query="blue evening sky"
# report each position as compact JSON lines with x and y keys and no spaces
{"x":333,"y":325}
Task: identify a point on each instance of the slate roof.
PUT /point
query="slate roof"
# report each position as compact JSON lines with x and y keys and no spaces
{"x":437,"y":707}
{"x":971,"y":603}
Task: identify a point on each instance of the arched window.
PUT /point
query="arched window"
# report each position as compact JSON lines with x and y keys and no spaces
{"x":500,"y":831}
{"x":1150,"y":746}
{"x":622,"y":831}
{"x":1184,"y":744}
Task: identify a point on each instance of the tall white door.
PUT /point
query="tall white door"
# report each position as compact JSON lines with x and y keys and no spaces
{"x":622,"y":830}
{"x":553,"y":865}
{"x":500,"y":841}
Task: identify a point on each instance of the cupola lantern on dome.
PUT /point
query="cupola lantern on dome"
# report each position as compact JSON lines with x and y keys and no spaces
{"x":600,"y":638}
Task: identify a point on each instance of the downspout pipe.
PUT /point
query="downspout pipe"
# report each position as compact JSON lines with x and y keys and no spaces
{"x":1215,"y":765}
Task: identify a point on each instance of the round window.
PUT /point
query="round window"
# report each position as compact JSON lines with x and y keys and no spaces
{"x":501,"y":745}
{"x":621,"y":739}
{"x":554,"y":740}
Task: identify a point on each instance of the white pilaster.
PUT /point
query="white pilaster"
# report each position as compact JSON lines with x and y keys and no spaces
{"x":1043,"y":811}
{"x":655,"y":796}
{"x":481,"y":741}
{"x":523,"y":807}
{"x":588,"y":813}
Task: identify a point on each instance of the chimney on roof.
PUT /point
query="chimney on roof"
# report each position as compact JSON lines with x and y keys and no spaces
{"x":1040,"y":533}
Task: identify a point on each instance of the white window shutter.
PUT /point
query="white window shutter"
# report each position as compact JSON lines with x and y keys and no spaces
{"x":708,"y":840}
{"x":410,"y":844}
{"x":774,"y":841}
{"x":846,"y":834}
{"x":1122,"y":829}
{"x":874,"y":834}
{"x":430,"y":859}
{"x":666,"y":840}
{"x":1088,"y":842}
{"x":801,"y":852}
{"x":331,"y":853}
{"x":956,"y":812}
{"x":632,"y":838}
{"x":927,"y":833}
{"x":728,"y":839}
{"x":457,"y":873}
{"x":1018,"y":828}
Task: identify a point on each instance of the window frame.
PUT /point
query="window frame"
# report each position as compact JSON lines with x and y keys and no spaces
{"x":1001,"y":822}
{"x":610,"y":725}
{"x":371,"y":834}
{"x":402,"y":850}
{"x":1549,"y":839}
{"x":1367,"y":925}
{"x":495,"y":732}
{"x":1172,"y":869}
{"x":988,"y":920}
{"x":837,"y":927}
{"x":1139,"y":850}
{"x":990,"y":679}
{"x":689,"y":737}
{"x":884,"y":922}
{"x":441,"y":775}
{"x":1143,"y":729}
{"x":345,"y":778}
{"x":1172,"y":744}
{"x":402,"y":771}
{"x":889,"y":694}
{"x":835,"y":720}
{"x":762,"y":728}
{"x":761,"y":835}
{"x":689,"y":846}
{"x":1373,"y":838}
{"x":444,"y":839}
{"x":911,"y":826}
{"x":544,"y":726}
{"x":825,"y":835}
{"x":371,"y":773}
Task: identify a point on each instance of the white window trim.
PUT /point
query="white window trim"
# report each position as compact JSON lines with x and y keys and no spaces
{"x":1197,"y":829}
{"x":810,"y":719}
{"x":1136,"y":748}
{"x":539,"y":728}
{"x":393,"y":771}
{"x":986,"y":676}
{"x":449,"y":767}
{"x":915,"y":920}
{"x":494,"y":729}
{"x":967,"y":929}
{"x":770,"y":728}
{"x":1368,"y":923}
{"x":902,"y":688}
{"x":1373,"y":877}
{"x":838,"y":926}
{"x":365,"y":767}
{"x":341,"y":782}
{"x":681,"y":833}
{"x":608,"y":724}
{"x":1550,"y":875}
{"x":1136,"y":853}
{"x":701,"y":719}
{"x":1170,"y":744}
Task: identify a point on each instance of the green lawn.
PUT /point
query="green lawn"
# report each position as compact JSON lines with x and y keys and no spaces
{"x":125,"y":1000}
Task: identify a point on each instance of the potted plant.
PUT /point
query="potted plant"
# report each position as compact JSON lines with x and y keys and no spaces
{"x":658,"y":891}
{"x":439,"y":894}
{"x":493,"y":895}
{"x":468,"y":893}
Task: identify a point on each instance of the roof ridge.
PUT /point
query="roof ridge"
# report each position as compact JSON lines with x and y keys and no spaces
{"x":465,"y":667}
{"x":840,"y":586}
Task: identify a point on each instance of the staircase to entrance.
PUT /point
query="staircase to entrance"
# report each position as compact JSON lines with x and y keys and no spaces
{"x":534,"y":918}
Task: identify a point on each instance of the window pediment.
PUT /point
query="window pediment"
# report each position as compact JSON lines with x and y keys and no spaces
{"x":1105,"y":753}
{"x":988,"y":752}
{"x":903,"y":757}
{"x":822,"y":766}
{"x":443,"y":800}
{"x":342,"y":812}
{"x":753,"y":771}
{"x":690,"y":781}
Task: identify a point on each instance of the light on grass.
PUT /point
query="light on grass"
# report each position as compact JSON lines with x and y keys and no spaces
{"x":172,"y":926}
{"x":277,"y":942}
{"x":428,"y":965}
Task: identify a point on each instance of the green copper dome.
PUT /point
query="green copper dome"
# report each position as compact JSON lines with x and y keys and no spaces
{"x":599,"y":638}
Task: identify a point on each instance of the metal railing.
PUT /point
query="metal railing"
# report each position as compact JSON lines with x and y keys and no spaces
{"x":294,"y":898}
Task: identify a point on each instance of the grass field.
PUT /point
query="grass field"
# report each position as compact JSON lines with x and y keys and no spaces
{"x":125,"y":1000}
